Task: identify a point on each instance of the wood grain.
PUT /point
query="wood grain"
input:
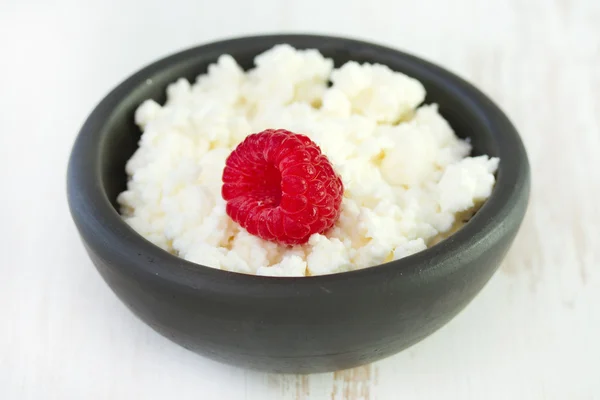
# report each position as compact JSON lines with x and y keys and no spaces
{"x":533,"y":331}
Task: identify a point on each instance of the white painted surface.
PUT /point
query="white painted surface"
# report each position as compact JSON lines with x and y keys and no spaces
{"x":533,"y":332}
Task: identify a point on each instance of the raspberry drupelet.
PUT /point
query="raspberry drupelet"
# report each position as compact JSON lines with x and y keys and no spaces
{"x":279,"y":187}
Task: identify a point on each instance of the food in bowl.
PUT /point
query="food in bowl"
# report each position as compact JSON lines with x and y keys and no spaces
{"x":293,"y":325}
{"x":407,"y":180}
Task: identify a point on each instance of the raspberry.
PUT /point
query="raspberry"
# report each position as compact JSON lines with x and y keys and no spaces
{"x":279,"y":187}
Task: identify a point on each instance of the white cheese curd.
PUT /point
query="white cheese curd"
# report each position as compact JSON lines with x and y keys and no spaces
{"x":407,"y":176}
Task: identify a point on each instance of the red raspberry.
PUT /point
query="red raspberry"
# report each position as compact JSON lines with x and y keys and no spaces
{"x":279,"y":187}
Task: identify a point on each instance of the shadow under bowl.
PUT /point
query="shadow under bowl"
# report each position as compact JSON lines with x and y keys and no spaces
{"x":293,"y":325}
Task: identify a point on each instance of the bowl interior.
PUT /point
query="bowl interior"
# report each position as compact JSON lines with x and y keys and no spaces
{"x":120,"y":135}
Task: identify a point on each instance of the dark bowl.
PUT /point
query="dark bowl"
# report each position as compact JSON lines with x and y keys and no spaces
{"x":297,"y":325}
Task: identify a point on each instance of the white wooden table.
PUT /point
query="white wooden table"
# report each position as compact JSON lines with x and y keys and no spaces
{"x":532,"y":333}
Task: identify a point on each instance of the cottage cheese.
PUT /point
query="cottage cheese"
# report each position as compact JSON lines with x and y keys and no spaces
{"x":407,"y":177}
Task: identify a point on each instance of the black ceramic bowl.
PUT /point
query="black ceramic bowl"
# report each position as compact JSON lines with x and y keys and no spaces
{"x":298,"y":325}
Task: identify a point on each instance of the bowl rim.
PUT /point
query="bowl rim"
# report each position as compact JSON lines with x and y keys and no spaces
{"x":103,"y":229}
